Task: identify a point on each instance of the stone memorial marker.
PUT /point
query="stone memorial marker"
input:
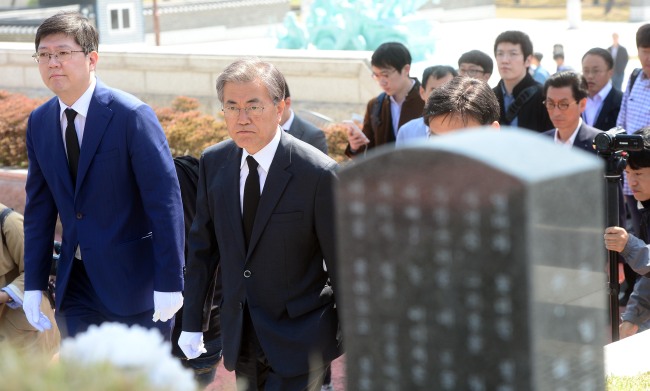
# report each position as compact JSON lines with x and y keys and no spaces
{"x":473,"y":261}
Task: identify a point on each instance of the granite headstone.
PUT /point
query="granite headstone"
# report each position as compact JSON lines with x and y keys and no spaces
{"x":473,"y":261}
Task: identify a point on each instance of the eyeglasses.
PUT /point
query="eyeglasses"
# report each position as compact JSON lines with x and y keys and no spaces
{"x":60,"y":56}
{"x":383,"y":75}
{"x":510,"y":54}
{"x":233,"y":112}
{"x":587,"y":72}
{"x":562,"y":105}
{"x":470,"y":72}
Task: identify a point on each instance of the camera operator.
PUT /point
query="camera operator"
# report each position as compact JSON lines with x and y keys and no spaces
{"x":636,"y":251}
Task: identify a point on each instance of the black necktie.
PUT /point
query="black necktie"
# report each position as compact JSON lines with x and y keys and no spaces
{"x":72,"y":144}
{"x":251,"y":197}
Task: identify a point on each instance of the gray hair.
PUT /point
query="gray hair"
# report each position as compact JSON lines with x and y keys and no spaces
{"x":246,"y":70}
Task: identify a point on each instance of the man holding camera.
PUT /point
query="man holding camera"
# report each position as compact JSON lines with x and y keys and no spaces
{"x":635,"y":250}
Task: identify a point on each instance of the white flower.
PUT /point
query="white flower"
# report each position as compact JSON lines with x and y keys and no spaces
{"x":134,"y":349}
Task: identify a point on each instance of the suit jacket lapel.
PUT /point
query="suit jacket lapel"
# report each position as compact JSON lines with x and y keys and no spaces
{"x":276,"y":181}
{"x":99,"y":116}
{"x":232,"y":202}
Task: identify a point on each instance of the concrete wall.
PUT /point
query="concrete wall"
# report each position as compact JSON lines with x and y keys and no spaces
{"x":335,"y":84}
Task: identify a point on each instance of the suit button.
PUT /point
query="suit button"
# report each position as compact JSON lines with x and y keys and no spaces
{"x":247,"y":273}
{"x":79,"y":216}
{"x":241,"y":305}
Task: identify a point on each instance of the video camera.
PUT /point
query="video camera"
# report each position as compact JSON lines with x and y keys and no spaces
{"x":617,"y":139}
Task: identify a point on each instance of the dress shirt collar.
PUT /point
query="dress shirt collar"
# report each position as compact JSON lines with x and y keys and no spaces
{"x":604,"y":91}
{"x":287,"y":125}
{"x":83,"y":103}
{"x":264,"y":156}
{"x":571,"y":139}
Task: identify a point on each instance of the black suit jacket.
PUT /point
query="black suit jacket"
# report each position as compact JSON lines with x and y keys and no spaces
{"x":609,"y":112}
{"x":308,"y":133}
{"x":280,"y":278}
{"x":584,"y":138}
{"x":532,"y":115}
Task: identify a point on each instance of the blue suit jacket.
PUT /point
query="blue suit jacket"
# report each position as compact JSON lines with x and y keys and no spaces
{"x":125,"y":212}
{"x":281,"y":277}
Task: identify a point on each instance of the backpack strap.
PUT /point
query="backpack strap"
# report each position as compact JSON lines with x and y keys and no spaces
{"x":375,"y":113}
{"x":3,"y":216}
{"x":523,"y":97}
{"x":633,"y":76}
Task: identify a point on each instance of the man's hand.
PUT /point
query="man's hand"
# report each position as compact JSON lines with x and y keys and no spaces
{"x":191,"y":343}
{"x":627,"y":329}
{"x":615,"y":238}
{"x":166,"y":304}
{"x":32,"y":308}
{"x":356,"y":138}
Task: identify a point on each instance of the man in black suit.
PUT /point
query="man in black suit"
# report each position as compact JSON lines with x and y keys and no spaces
{"x":565,"y":97}
{"x":619,"y":53}
{"x":265,"y":217}
{"x":603,"y":100}
{"x":299,"y":128}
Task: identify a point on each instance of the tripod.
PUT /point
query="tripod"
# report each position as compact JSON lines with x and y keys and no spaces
{"x":615,"y":164}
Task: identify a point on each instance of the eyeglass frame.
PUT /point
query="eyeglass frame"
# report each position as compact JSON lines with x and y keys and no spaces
{"x":471,"y":72}
{"x":562,"y":106}
{"x":37,"y":56}
{"x":383,"y":76}
{"x":235,"y":112}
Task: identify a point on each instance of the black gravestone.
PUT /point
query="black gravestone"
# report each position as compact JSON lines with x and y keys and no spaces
{"x":473,"y":261}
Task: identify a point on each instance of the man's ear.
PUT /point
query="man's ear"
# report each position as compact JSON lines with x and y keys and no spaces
{"x":94,"y":58}
{"x":407,"y":69}
{"x":495,"y":125}
{"x":582,"y":104}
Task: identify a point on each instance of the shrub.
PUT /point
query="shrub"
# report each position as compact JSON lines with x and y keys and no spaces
{"x":15,"y":110}
{"x":188,"y":130}
{"x":337,"y":141}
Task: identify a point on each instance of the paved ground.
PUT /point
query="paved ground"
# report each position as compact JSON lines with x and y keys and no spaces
{"x":225,"y":381}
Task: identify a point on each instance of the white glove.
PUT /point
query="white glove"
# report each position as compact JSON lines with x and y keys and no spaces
{"x":166,"y":304}
{"x":191,"y":343}
{"x":32,"y":309}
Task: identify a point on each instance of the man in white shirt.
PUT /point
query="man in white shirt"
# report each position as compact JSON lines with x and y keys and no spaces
{"x":433,"y":77}
{"x":603,"y":100}
{"x":565,"y":98}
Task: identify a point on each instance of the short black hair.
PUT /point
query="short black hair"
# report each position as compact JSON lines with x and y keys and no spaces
{"x":515,"y":37}
{"x":641,"y":159}
{"x":538,"y":56}
{"x":438,"y":72}
{"x":467,"y":97}
{"x":479,"y":58}
{"x":605,"y":54}
{"x":558,"y":55}
{"x":571,"y":79}
{"x":73,"y":24}
{"x":391,"y":55}
{"x":643,"y":36}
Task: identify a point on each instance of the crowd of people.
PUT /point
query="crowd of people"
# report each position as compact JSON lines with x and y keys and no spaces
{"x":250,"y":258}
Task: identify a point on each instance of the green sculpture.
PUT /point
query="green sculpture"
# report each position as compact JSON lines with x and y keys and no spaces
{"x":360,"y":25}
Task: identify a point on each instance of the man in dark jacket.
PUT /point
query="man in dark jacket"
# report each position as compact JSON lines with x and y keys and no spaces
{"x":604,"y":100}
{"x":399,"y":103}
{"x":520,"y":96}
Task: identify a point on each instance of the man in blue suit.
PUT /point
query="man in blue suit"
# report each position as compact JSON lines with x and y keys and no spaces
{"x":99,"y":160}
{"x":265,"y":218}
